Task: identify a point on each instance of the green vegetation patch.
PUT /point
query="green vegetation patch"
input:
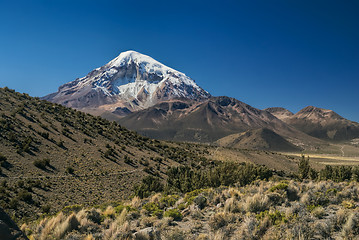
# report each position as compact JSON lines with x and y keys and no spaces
{"x":169,"y":200}
{"x":153,"y":209}
{"x":276,"y":217}
{"x":173,"y":213}
{"x":280,"y":186}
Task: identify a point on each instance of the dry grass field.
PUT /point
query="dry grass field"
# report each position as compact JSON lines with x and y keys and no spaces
{"x":261,"y":210}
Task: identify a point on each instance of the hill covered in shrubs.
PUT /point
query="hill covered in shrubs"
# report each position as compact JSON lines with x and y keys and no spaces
{"x":52,"y":156}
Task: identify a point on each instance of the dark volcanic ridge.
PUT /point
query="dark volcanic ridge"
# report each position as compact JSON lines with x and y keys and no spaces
{"x":258,"y":139}
{"x":208,"y":121}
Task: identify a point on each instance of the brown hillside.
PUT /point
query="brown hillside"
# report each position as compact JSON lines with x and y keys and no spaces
{"x":52,"y":157}
{"x":324,"y":124}
{"x":258,"y":139}
{"x":183,"y":120}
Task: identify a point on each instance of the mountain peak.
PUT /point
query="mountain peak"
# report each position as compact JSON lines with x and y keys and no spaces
{"x":315,"y":113}
{"x":280,"y":113}
{"x":311,"y":108}
{"x":131,"y":80}
{"x":324,"y":124}
{"x":131,"y":55}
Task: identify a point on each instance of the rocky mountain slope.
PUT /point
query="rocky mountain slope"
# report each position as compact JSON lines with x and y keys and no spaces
{"x":132,"y":81}
{"x":208,"y":121}
{"x":280,"y":113}
{"x":52,"y":156}
{"x":320,"y":123}
{"x":260,"y":139}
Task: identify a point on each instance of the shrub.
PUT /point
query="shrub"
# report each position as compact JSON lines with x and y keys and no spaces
{"x":46,"y":209}
{"x":175,"y":235}
{"x":25,"y":196}
{"x":275,"y":217}
{"x":185,"y":179}
{"x":70,"y":170}
{"x":218,"y":221}
{"x":118,"y":209}
{"x":231,"y":205}
{"x":42,"y":163}
{"x":153,"y":209}
{"x":256,"y":203}
{"x":13,"y":203}
{"x":149,"y":184}
{"x":71,"y":223}
{"x":20,"y":184}
{"x":169,"y":200}
{"x":351,"y":227}
{"x":72,"y":208}
{"x":348,"y":204}
{"x":280,"y":186}
{"x":200,"y":201}
{"x":318,"y":212}
{"x":2,"y":158}
{"x":60,"y":144}
{"x":109,"y":212}
{"x":173,"y":213}
{"x":304,"y":168}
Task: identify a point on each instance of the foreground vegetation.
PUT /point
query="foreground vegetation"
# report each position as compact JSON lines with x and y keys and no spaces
{"x":223,"y":201}
{"x":261,"y":210}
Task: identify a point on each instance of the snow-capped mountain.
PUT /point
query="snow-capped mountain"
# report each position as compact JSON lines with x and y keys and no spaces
{"x":130,"y":82}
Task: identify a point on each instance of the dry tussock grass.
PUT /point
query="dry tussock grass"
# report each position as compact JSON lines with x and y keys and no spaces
{"x":263,"y":210}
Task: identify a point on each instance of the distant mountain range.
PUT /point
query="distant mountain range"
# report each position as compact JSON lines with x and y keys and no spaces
{"x":320,"y":123}
{"x":160,"y":102}
{"x":208,"y":121}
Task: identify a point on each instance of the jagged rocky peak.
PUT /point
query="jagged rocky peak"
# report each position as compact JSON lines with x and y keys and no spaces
{"x":132,"y":80}
{"x":280,"y":113}
{"x":315,"y":113}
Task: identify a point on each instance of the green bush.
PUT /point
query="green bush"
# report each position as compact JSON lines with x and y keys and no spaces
{"x":173,"y":213}
{"x":153,"y":209}
{"x":304,"y":168}
{"x":169,"y":200}
{"x":120,"y":207}
{"x":25,"y":196}
{"x":275,"y":217}
{"x":42,"y":163}
{"x":185,"y":179}
{"x":280,"y":186}
{"x":148,"y":185}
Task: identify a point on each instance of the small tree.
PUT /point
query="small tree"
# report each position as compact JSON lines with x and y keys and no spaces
{"x":313,"y":174}
{"x":304,"y":168}
{"x":149,"y":184}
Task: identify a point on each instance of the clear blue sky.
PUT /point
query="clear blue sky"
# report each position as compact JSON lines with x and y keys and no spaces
{"x":265,"y":53}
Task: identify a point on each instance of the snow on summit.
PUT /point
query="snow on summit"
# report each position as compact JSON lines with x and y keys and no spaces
{"x":131,"y":80}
